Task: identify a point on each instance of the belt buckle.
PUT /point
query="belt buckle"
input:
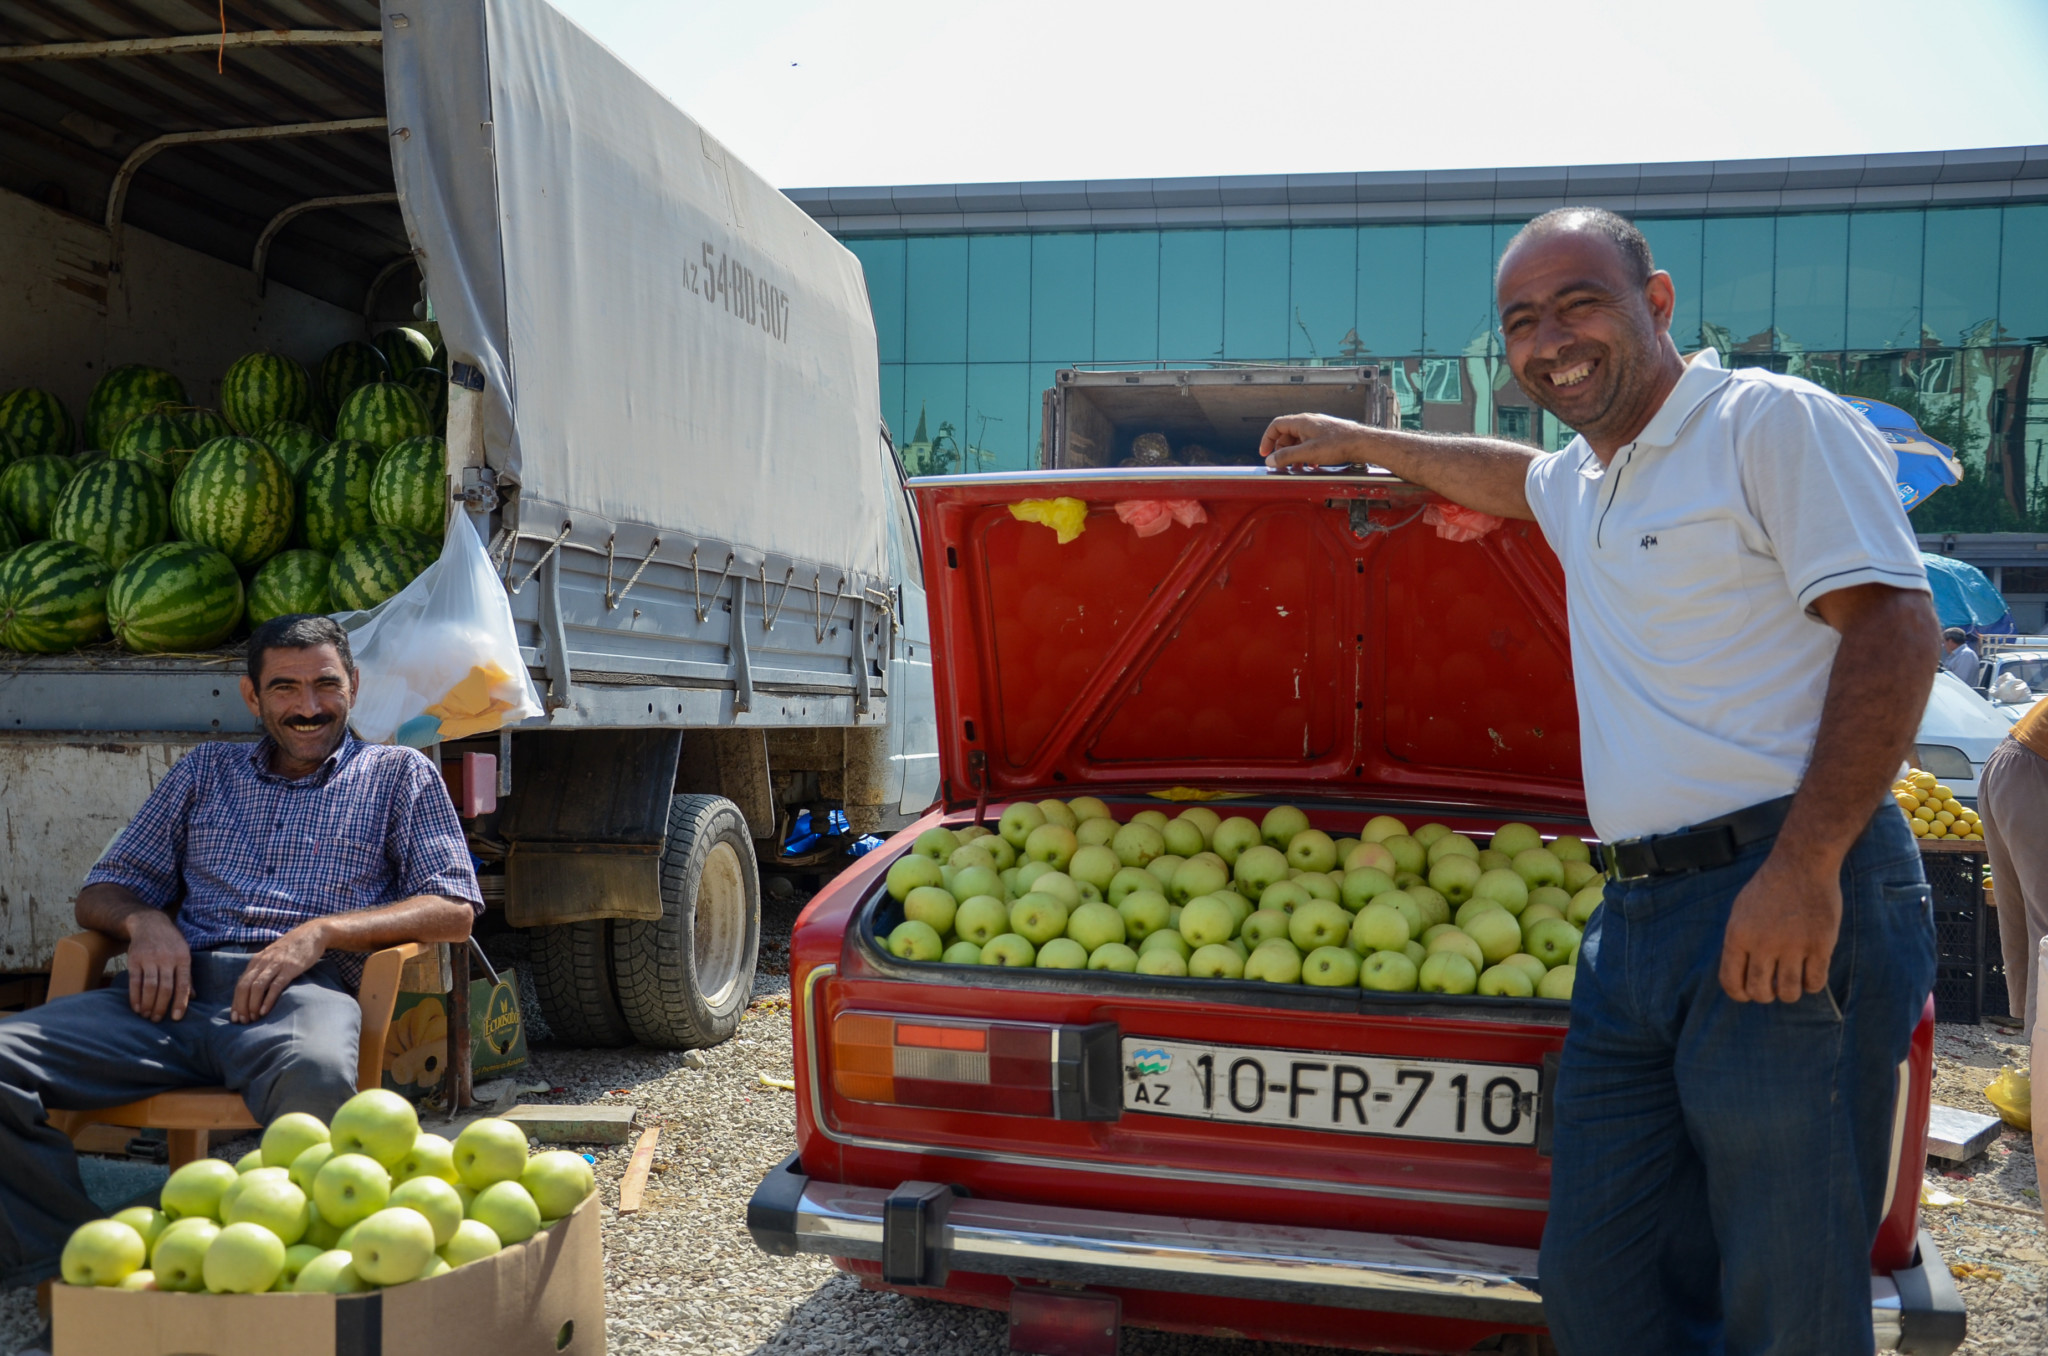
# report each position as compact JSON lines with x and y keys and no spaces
{"x":1612,"y":851}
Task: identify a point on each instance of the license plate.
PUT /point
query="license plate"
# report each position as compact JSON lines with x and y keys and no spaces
{"x":1354,"y":1094}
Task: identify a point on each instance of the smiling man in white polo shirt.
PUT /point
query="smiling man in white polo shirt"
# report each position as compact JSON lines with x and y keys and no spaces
{"x":1747,"y":606}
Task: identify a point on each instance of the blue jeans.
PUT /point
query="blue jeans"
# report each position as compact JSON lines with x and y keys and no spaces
{"x":1720,"y":1167}
{"x":92,"y":1050}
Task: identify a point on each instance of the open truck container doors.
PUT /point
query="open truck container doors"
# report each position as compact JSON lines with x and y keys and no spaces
{"x":1330,"y":1165}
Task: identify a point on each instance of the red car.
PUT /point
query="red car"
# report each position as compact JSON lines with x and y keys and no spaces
{"x":1088,"y":1149}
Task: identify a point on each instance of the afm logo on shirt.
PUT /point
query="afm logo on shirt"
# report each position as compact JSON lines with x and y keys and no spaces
{"x":1649,"y":540}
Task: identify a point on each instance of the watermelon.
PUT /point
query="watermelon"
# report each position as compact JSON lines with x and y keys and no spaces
{"x":89,"y":457}
{"x":159,"y":440}
{"x":261,"y":389}
{"x":371,"y":567}
{"x":295,"y":445}
{"x":36,"y":421}
{"x":10,"y":449}
{"x":113,"y":509}
{"x":29,"y":489}
{"x":206,"y":425}
{"x":411,"y":489}
{"x":334,"y":498}
{"x":178,"y":597}
{"x":383,"y":413}
{"x":348,"y":366}
{"x":431,"y":386}
{"x":405,"y":351}
{"x":236,"y":497}
{"x":288,"y":583}
{"x":9,"y":537}
{"x":53,"y":596}
{"x":431,"y":331}
{"x":127,"y":393}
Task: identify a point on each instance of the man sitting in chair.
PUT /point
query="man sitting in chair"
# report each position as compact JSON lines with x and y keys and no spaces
{"x":288,"y":859}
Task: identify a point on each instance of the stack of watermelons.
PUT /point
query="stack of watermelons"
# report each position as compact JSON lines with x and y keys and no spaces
{"x":178,"y":525}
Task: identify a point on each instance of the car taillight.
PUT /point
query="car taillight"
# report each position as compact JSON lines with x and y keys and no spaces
{"x":1010,"y":1068}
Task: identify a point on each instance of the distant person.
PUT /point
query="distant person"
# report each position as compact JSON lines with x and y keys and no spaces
{"x":1959,"y":658}
{"x":2012,"y":798}
{"x":1739,"y":576}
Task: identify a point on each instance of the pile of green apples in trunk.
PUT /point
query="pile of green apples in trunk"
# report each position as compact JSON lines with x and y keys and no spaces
{"x":366,"y":1203}
{"x":1062,"y":885}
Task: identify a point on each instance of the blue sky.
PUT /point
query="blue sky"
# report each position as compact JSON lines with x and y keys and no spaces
{"x":931,"y":91}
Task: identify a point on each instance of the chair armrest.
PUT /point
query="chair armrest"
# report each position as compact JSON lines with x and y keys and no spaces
{"x":376,"y":997}
{"x":80,"y":962}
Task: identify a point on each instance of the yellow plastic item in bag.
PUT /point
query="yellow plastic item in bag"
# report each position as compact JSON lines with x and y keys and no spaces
{"x":470,"y":708}
{"x":2013,"y":1095}
{"x":1067,"y":517}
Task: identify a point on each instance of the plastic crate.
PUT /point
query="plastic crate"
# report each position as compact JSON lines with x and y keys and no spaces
{"x":1969,"y":973}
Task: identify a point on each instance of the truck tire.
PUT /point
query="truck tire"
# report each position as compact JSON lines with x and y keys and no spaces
{"x":685,"y":978}
{"x":570,"y":965}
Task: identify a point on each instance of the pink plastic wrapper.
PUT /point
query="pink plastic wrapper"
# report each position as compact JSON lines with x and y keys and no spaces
{"x":1455,"y":522}
{"x":1150,"y":517}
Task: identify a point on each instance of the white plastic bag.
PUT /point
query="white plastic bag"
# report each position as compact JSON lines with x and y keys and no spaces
{"x":439,"y":659}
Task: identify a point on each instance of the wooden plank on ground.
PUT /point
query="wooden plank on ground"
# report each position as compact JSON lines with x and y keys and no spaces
{"x":600,"y":1124}
{"x":635,"y":1180}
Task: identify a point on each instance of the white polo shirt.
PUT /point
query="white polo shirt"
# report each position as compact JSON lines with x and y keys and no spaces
{"x":1689,"y":565}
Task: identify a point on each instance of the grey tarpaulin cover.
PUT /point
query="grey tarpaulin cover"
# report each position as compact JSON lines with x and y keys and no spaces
{"x":664,"y":339}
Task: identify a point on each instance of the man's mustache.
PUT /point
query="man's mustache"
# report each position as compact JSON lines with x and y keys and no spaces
{"x":318,"y":722}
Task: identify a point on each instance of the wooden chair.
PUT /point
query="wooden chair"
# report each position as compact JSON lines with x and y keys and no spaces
{"x":190,"y":1115}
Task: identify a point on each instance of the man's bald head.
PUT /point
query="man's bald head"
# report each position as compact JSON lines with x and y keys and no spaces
{"x":1616,"y":230}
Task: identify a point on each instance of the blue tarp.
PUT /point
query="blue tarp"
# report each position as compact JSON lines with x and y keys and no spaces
{"x":1924,"y":464}
{"x":1964,"y":597}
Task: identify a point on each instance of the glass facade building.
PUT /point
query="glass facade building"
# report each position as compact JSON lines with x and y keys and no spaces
{"x":1940,"y":305}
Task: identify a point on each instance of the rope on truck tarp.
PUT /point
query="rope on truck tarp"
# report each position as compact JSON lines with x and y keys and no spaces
{"x":767,"y":617}
{"x":1369,"y":526}
{"x":822,"y":618}
{"x":535,"y":567}
{"x":697,"y":583}
{"x":612,"y":600}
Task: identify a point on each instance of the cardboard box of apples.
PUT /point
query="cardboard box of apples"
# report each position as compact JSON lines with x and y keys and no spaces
{"x":360,"y":1236}
{"x":1064,"y":885}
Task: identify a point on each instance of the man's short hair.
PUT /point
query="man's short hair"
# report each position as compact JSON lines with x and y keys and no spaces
{"x":297,"y":631}
{"x":1956,"y":634}
{"x":1612,"y":227}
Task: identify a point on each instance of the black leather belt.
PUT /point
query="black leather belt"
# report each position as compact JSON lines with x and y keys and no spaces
{"x":1698,"y":847}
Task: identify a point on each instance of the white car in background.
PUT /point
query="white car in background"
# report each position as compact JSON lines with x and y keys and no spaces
{"x":1957,"y":733}
{"x":2013,"y":678}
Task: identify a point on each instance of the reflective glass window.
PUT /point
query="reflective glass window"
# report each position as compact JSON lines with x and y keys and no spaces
{"x":935,"y":408}
{"x":1443,"y":381}
{"x":998,"y":298}
{"x":1190,"y":296}
{"x":1457,"y":287}
{"x":1255,"y":293}
{"x":935,"y":310}
{"x":1322,"y":280}
{"x":1390,"y":290}
{"x":1063,"y":298}
{"x":892,"y":401}
{"x":882,"y":262}
{"x":2023,"y":274}
{"x":997,"y":436}
{"x":1126,"y":296}
{"x":1039,"y":381}
{"x":1812,"y":274}
{"x":1959,"y":291}
{"x":1884,"y":279}
{"x":1675,"y":248}
{"x":1735,"y":281}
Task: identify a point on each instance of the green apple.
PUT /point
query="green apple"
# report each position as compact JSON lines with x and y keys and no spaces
{"x":909,"y":872}
{"x":243,"y":1259}
{"x":179,"y":1255}
{"x":1196,"y":877}
{"x":348,"y":1235}
{"x":1362,"y":886}
{"x":1430,"y":832}
{"x":970,"y":854}
{"x":1578,"y":875}
{"x":1312,"y":850}
{"x":1164,"y":865}
{"x":937,"y":844}
{"x":1435,"y":908}
{"x":1062,"y":953}
{"x":980,"y":918}
{"x":395,"y":1244}
{"x":1496,"y":932}
{"x":1330,"y":967}
{"x":1156,"y":818}
{"x":1018,"y":821}
{"x":1319,"y":885}
{"x":252,"y":1160}
{"x":1566,"y":848}
{"x":1370,"y":857}
{"x":1539,"y":867}
{"x":1206,"y":919}
{"x":436,"y":1266}
{"x":1404,"y":904}
{"x":962,"y":953}
{"x":1387,"y":972}
{"x":145,"y":1220}
{"x":1458,"y":943}
{"x":102,"y":1252}
{"x":1558,"y":983}
{"x":1527,"y":964}
{"x":1086,"y":808}
{"x":1319,"y":923}
{"x":1506,"y":981}
{"x":1260,"y":866}
{"x":914,"y":940}
{"x":1144,"y":912}
{"x":242,"y":1183}
{"x":1166,"y":939}
{"x":1345,"y":847}
{"x":1378,"y":927}
{"x":1216,"y":961}
{"x":970,"y":881}
{"x":1262,"y":926}
{"x":1452,"y":845}
{"x":1549,"y":896}
{"x":1284,"y":895}
{"x":1058,"y":884}
{"x":430,"y":1156}
{"x":473,"y":1241}
{"x":558,"y":1181}
{"x":1504,"y":888}
{"x":276,"y":1205}
{"x":1213,"y":860}
{"x":331,"y":1273}
{"x":1409,"y":854}
{"x":1132,"y":880}
{"x":195,"y":1189}
{"x":1414,"y":951}
{"x":1184,"y":837}
{"x":487,"y":1151}
{"x":932,"y":907}
{"x":1053,"y":844}
{"x":968,"y":833}
{"x":138,"y":1280}
{"x":1113,"y":956}
{"x":1009,"y":949}
{"x":1447,"y":972}
{"x":998,"y":847}
{"x":1240,"y":907}
{"x":1094,"y":865}
{"x":1163,"y":961}
{"x":296,"y":1256}
{"x":1489,"y":860}
{"x":1232,"y":837}
{"x":1094,"y":925}
{"x":1513,"y":837}
{"x":1037,"y":918}
{"x":508,"y":1210}
{"x":437,"y":1203}
{"x":1380,"y":828}
{"x":1011,"y":886}
{"x":351,"y":1187}
{"x":1274,"y":961}
{"x":1280,"y":825}
{"x":1536,"y":913}
{"x":319,"y":1232}
{"x":1136,"y":844}
{"x":1552,"y":941}
{"x":1204,"y":819}
{"x":1584,"y":902}
{"x":1455,"y":877}
{"x":1058,"y":812}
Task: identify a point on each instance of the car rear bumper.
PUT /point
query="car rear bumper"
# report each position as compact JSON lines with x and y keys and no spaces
{"x":921,"y":1231}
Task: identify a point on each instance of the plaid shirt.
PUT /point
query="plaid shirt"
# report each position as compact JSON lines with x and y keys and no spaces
{"x":252,"y":854}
